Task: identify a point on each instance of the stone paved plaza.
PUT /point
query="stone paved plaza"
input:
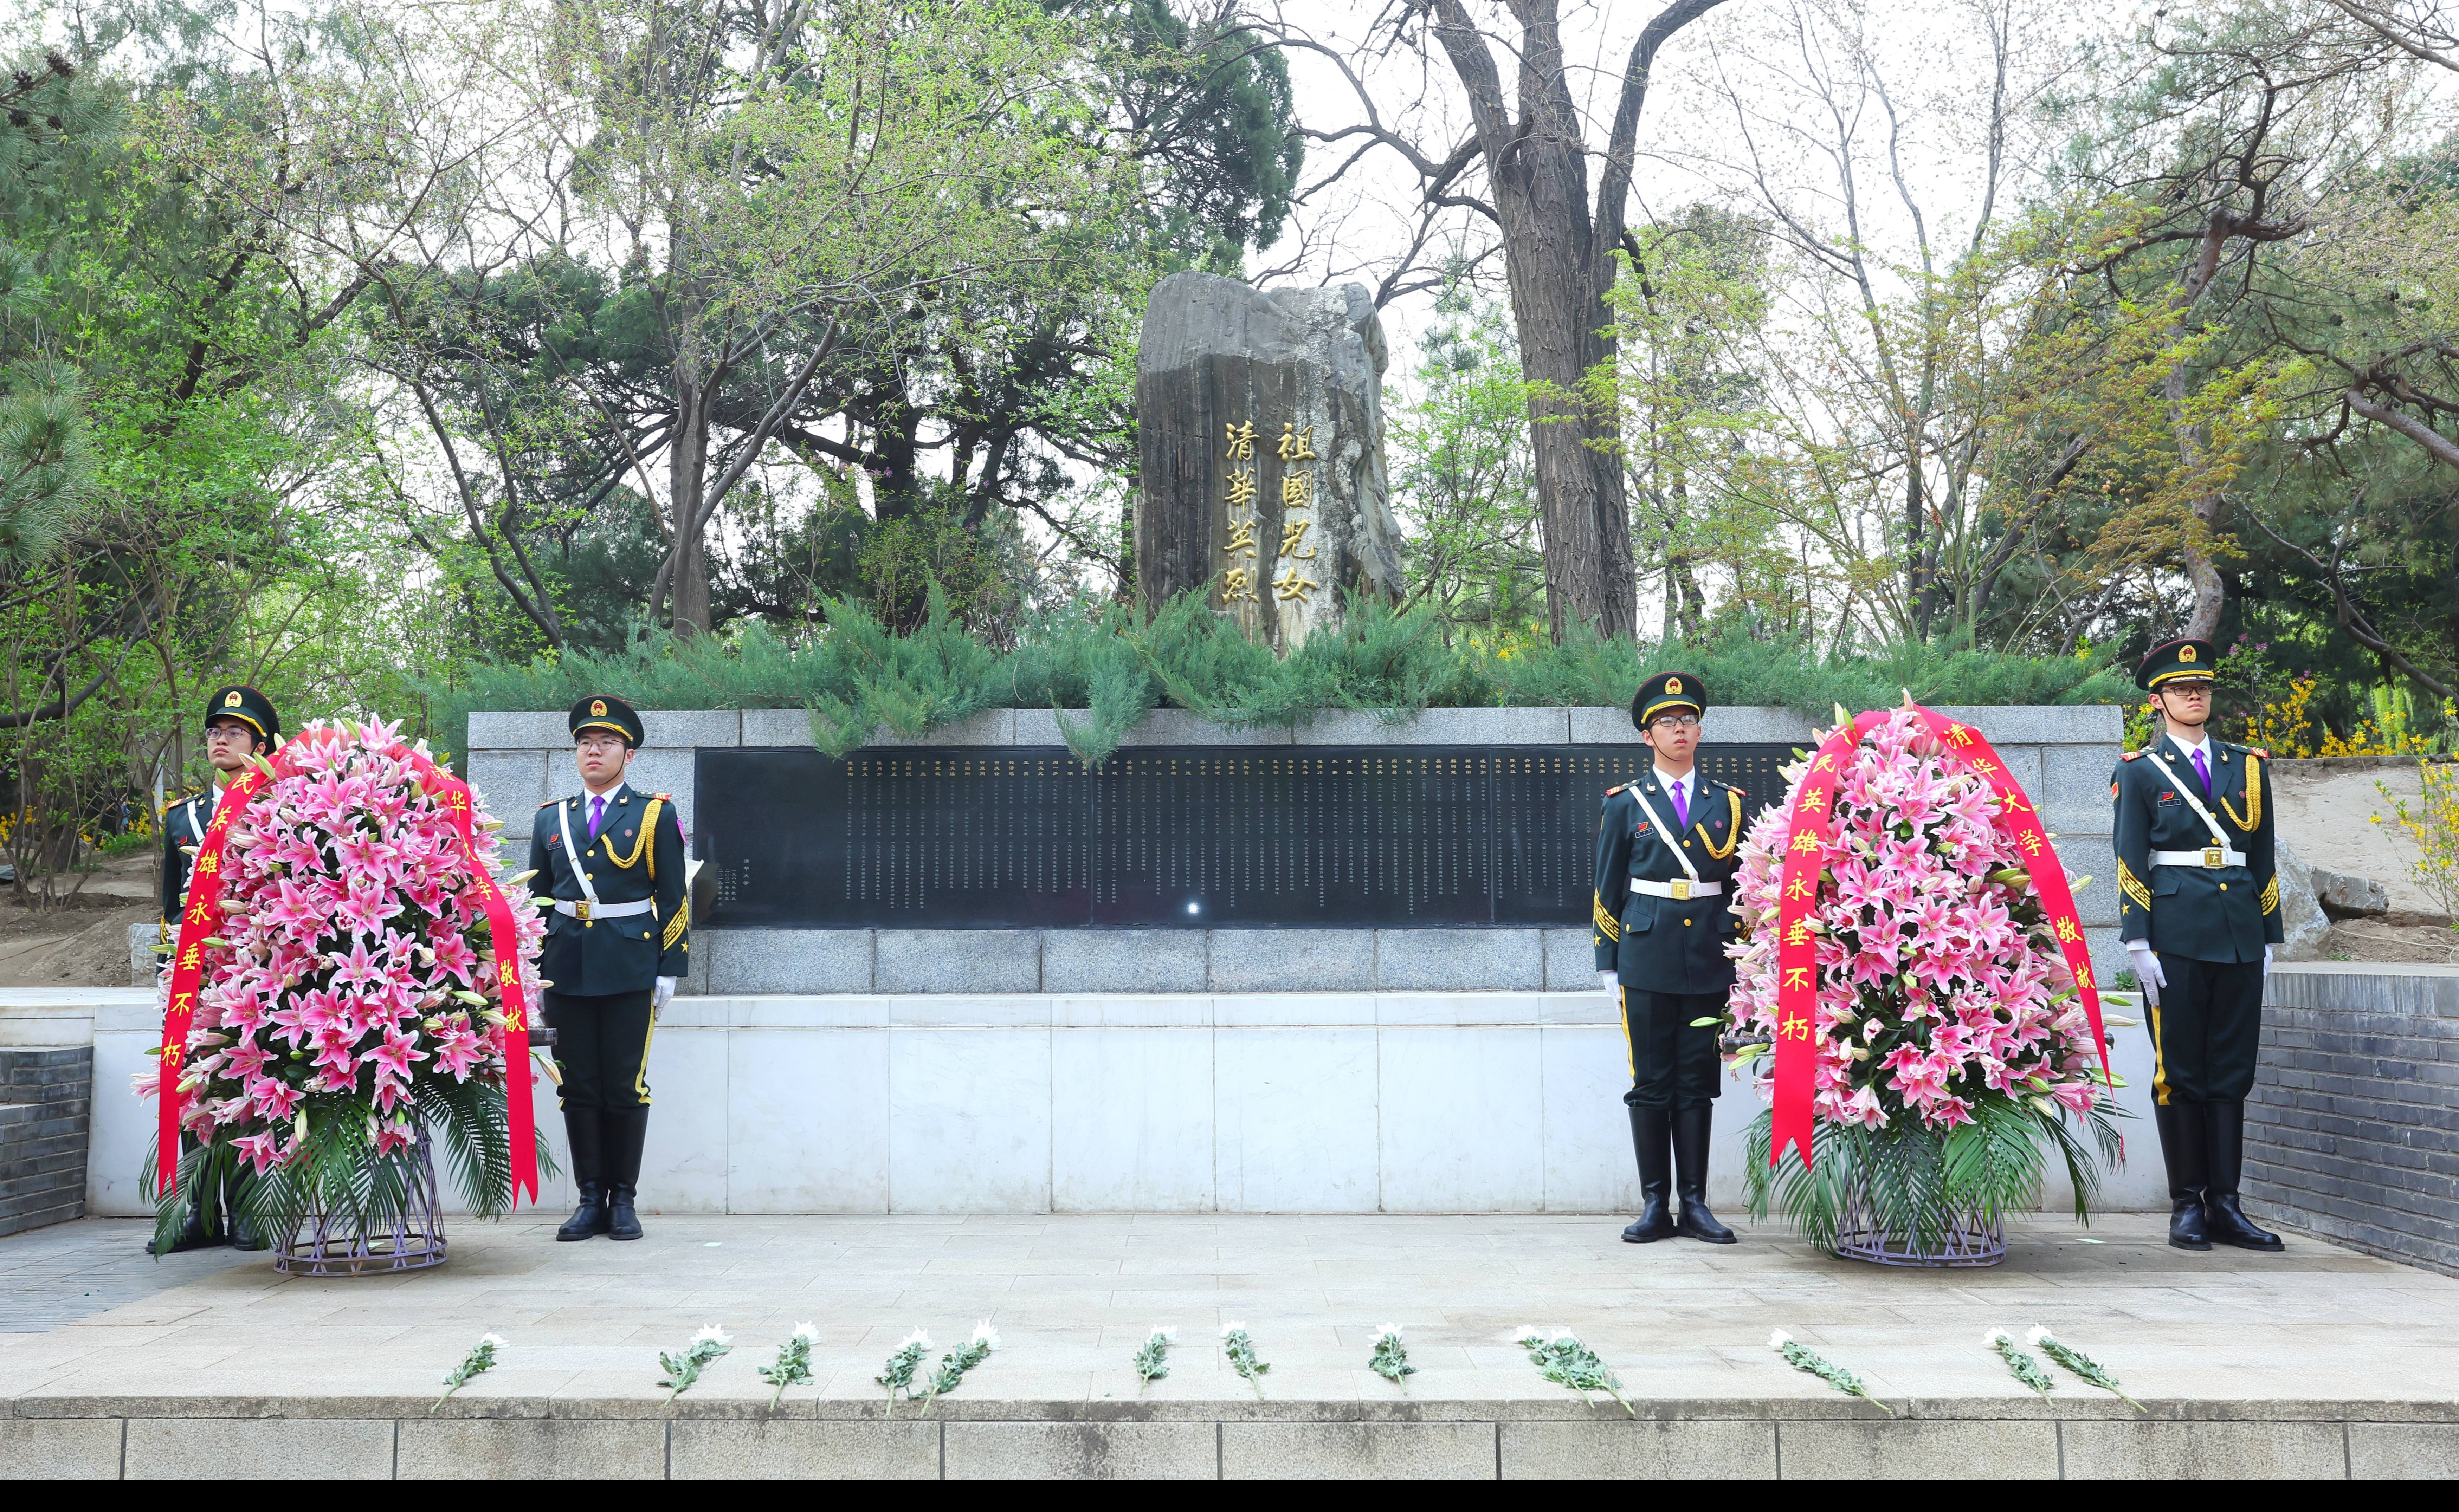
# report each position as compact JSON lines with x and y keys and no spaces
{"x":2320,"y":1362}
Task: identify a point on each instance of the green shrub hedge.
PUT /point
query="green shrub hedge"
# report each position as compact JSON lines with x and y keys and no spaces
{"x":857,"y":676}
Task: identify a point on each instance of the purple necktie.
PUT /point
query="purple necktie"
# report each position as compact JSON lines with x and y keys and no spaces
{"x":1681,"y":807}
{"x":598,"y":814}
{"x":2202,"y":771}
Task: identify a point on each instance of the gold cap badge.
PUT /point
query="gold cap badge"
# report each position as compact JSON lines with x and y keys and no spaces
{"x":2185,"y":652}
{"x":230,"y":700}
{"x":597,"y":708}
{"x":1673,"y":685}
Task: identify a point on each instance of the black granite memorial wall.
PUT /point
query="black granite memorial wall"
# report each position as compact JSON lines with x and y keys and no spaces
{"x":1193,"y":836}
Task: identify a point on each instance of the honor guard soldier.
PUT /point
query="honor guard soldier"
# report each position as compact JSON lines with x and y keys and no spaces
{"x":240,"y":724}
{"x":617,"y":942}
{"x":1665,"y":867}
{"x":2199,"y":912}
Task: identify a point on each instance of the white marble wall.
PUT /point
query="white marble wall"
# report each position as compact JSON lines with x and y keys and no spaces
{"x":1260,"y":1102}
{"x":1180,"y":1103}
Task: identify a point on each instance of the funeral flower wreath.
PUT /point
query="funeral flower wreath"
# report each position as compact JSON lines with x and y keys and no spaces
{"x":1951,"y":1049}
{"x":353,"y":990}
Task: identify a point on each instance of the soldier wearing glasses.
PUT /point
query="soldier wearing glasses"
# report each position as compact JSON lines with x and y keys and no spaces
{"x":617,"y":942}
{"x":241,"y":724}
{"x":1665,"y":867}
{"x":2199,"y":912}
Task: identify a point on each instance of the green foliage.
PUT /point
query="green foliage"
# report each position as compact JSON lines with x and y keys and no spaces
{"x":869,"y":676}
{"x":1912,"y":1181}
{"x":1463,"y":476}
{"x":860,"y":675}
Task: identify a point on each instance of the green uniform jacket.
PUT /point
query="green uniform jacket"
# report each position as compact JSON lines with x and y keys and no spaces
{"x":1659,"y":944}
{"x":609,"y":955}
{"x":183,"y":823}
{"x":2224,"y":914}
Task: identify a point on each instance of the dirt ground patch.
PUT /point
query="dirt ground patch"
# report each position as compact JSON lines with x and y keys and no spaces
{"x":83,"y":940}
{"x":83,"y":947}
{"x":2329,"y":818}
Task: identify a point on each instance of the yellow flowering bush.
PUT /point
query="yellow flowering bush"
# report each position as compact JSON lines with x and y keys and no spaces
{"x":2434,"y":823}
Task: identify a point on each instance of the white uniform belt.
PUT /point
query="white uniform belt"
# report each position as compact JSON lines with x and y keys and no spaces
{"x":2212,"y":858}
{"x":1680,"y":889}
{"x":585,"y":911}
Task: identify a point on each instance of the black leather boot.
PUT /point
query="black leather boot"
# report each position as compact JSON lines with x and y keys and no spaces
{"x":2181,"y":1151}
{"x":627,"y":1130}
{"x":1651,"y":1135}
{"x":1691,"y":1127}
{"x":583,"y":1129}
{"x":193,"y":1235}
{"x":2224,"y":1136}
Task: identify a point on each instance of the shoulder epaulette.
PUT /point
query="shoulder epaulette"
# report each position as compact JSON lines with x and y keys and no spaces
{"x":2131,"y":755}
{"x":668,"y":797}
{"x":1615,"y":788}
{"x":551,"y":803}
{"x":2256,"y":750}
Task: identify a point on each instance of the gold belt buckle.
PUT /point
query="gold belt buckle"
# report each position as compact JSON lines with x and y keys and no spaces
{"x":580,"y":910}
{"x":2214,"y":857}
{"x":1681,"y":886}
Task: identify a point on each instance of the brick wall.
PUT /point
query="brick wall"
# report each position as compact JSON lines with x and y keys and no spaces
{"x":46,"y":1107}
{"x":2353,"y":1130}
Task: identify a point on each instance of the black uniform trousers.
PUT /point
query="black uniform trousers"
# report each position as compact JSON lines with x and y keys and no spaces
{"x":602,"y":1046}
{"x":2206,"y":1030}
{"x":1673,"y":1065}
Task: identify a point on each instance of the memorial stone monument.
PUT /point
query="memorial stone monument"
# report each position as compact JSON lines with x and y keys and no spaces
{"x":1261,"y":417}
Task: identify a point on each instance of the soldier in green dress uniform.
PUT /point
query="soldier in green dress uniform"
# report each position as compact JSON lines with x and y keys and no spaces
{"x":240,"y":723}
{"x":618,"y":941}
{"x":1665,"y":868}
{"x":2199,"y":912}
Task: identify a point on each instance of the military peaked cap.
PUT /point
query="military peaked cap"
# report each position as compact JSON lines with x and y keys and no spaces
{"x":1665,"y":690}
{"x":244,"y":704}
{"x":2171,"y":659}
{"x":607,"y":712}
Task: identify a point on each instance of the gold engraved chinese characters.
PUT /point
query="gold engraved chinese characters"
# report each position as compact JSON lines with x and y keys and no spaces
{"x":1239,"y":581}
{"x":1241,"y":578}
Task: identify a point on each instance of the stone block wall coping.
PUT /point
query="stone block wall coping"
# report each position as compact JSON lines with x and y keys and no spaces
{"x":2027,"y":725}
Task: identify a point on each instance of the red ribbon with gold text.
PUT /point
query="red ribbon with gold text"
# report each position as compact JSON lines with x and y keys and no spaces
{"x":201,"y":918}
{"x":521,"y":1121}
{"x":1796,"y":958}
{"x":1798,"y":946}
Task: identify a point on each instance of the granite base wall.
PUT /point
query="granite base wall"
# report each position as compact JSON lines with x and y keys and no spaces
{"x":2353,"y":1129}
{"x":2062,"y":756}
{"x":46,"y":1120}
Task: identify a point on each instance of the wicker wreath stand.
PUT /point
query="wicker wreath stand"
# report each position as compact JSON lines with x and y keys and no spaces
{"x":339,"y":1245}
{"x":1965,"y":1239}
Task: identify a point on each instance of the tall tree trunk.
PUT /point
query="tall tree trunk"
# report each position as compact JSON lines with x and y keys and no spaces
{"x":1558,"y":258}
{"x":687,"y":479}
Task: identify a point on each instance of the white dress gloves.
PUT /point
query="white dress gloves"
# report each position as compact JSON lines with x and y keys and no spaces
{"x":662,"y":995}
{"x":2147,"y":970}
{"x":1605,"y":980}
